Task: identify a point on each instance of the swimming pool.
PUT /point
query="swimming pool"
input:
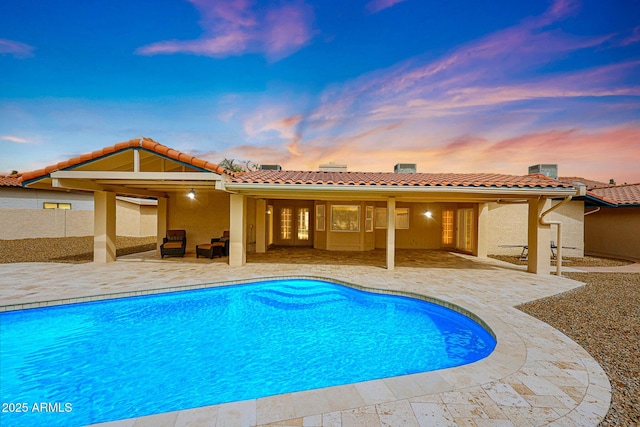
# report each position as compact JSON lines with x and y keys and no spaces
{"x":129,"y":357}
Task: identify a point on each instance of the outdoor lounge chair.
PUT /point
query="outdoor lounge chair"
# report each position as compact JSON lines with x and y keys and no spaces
{"x":175,"y":244}
{"x":224,"y":239}
{"x":209,"y":250}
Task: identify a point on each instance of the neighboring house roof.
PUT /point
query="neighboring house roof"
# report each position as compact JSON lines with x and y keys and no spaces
{"x":10,"y":181}
{"x":590,"y":183}
{"x":621,"y":195}
{"x":397,"y":179}
{"x":145,"y":143}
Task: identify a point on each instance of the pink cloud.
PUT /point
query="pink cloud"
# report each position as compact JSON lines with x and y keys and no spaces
{"x":376,"y":6}
{"x":480,"y":75}
{"x":17,"y":49}
{"x":15,"y":139}
{"x":596,"y":155}
{"x":600,"y":154}
{"x":484,"y":107}
{"x":236,"y":27}
{"x":634,"y":37}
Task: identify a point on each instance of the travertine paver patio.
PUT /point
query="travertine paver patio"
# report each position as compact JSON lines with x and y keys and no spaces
{"x":536,"y":375}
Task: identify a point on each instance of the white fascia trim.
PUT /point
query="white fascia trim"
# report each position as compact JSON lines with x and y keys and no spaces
{"x":151,"y":176}
{"x":528,"y":191}
{"x":138,"y":201}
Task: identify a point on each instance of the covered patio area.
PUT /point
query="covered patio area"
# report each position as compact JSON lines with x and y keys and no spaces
{"x":326,"y":210}
{"x":416,"y":258}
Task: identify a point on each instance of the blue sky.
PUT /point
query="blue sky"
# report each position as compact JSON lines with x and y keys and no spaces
{"x":460,"y":86}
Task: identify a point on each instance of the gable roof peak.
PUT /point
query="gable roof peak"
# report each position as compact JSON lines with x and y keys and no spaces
{"x":139,"y":142}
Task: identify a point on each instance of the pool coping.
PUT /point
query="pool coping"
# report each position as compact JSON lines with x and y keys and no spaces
{"x":508,"y":359}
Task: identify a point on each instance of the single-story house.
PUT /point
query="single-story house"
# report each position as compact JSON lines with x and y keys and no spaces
{"x":31,"y":213}
{"x":330,"y":210}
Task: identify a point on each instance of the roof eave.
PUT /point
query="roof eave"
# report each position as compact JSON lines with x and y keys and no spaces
{"x":392,"y":189}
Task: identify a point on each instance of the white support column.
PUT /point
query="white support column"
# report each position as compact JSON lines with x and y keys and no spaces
{"x":237,"y":243}
{"x":161,"y":230}
{"x":104,"y":226}
{"x":391,"y":233}
{"x":539,"y":238}
{"x":136,"y":161}
{"x":261,"y":220}
{"x":482,"y":237}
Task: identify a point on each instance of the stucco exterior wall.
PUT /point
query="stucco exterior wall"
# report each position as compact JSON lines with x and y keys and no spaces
{"x":36,"y":223}
{"x":148,"y":220}
{"x":508,"y":226}
{"x":135,"y":220}
{"x":127,"y":219}
{"x":203,"y":218}
{"x":613,"y":232}
{"x":22,"y":215}
{"x":21,"y":198}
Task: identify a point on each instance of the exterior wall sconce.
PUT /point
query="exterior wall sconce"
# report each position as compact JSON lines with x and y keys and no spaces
{"x":191,"y":194}
{"x":428,"y":214}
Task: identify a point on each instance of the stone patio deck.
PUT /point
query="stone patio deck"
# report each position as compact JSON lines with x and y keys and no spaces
{"x":535,"y":376}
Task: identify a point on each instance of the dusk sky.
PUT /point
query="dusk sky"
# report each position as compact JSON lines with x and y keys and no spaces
{"x":454,"y":86}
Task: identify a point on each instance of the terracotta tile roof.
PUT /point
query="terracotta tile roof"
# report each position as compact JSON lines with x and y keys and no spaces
{"x":622,"y":195}
{"x":397,"y":179}
{"x":382,"y":179}
{"x":145,"y":143}
{"x":10,"y":181}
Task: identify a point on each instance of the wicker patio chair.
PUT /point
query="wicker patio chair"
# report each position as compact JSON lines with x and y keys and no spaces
{"x":175,"y":244}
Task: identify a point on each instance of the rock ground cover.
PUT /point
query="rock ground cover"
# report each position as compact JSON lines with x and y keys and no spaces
{"x":587,"y":261}
{"x":604,"y":318}
{"x":66,"y":249}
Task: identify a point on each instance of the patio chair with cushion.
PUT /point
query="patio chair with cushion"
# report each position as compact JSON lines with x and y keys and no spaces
{"x":224,"y":239}
{"x":175,"y":244}
{"x":209,"y":250}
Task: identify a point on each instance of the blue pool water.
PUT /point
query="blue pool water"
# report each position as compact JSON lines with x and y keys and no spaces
{"x":78,"y":364}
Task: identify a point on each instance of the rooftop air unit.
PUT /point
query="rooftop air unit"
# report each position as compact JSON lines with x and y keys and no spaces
{"x":332,"y":167}
{"x":405,"y":168}
{"x":547,"y":170}
{"x":270,"y":167}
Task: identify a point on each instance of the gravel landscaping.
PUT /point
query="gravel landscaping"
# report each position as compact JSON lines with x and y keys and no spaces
{"x":587,"y":261}
{"x":603,"y":316}
{"x":67,"y":249}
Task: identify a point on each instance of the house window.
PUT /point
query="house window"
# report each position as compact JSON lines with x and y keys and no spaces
{"x":368,"y":219}
{"x":381,"y":217}
{"x":402,"y":218}
{"x":447,"y":227}
{"x":320,"y":217}
{"x":52,"y":205}
{"x":303,"y":224}
{"x":345,"y":218}
{"x":286,"y":223}
{"x":465,"y":230}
